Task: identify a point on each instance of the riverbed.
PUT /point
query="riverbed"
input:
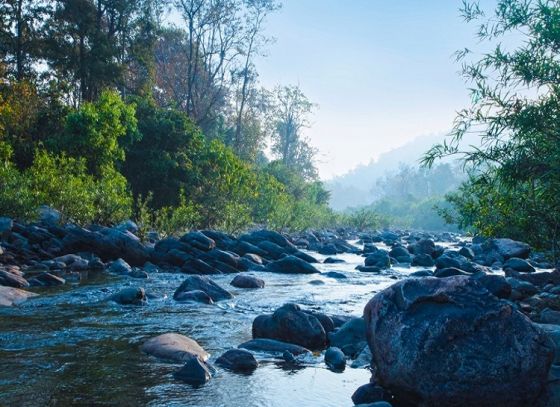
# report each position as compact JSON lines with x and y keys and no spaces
{"x":70,"y":347}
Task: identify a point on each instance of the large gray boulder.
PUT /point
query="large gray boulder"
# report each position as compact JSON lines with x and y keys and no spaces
{"x":508,"y":248}
{"x":449,"y":342}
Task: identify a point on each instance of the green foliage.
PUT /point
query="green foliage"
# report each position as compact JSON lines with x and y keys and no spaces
{"x":362,"y":219}
{"x":63,"y":183}
{"x":514,"y":190}
{"x":100,"y":132}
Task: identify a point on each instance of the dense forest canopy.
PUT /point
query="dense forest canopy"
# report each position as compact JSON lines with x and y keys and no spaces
{"x":108,"y":111}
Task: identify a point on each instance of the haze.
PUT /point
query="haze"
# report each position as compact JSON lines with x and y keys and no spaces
{"x":382,"y":72}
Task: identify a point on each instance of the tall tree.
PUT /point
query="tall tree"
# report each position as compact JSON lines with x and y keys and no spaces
{"x":251,"y":45}
{"x":290,"y":115}
{"x":20,"y":35}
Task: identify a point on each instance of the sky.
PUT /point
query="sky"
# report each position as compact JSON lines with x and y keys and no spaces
{"x":381,"y":71}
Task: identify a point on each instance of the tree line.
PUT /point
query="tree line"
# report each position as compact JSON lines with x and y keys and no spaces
{"x":110,"y":111}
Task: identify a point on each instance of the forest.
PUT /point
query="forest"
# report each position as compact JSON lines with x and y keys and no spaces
{"x":108,"y":111}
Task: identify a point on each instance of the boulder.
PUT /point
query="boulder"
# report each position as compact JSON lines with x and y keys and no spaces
{"x":119,"y":266}
{"x":423,"y":260}
{"x":450,"y":271}
{"x":10,"y":296}
{"x":174,"y":347}
{"x":495,"y":284}
{"x":335,"y":274}
{"x":519,"y":265}
{"x":46,"y":280}
{"x":12,"y":280}
{"x":247,"y":281}
{"x":508,"y":248}
{"x":194,"y":296}
{"x":194,"y":371}
{"x":108,"y":244}
{"x":291,"y":324}
{"x":129,"y":296}
{"x":368,"y":393}
{"x":259,"y":236}
{"x":291,"y":265}
{"x":379,"y":259}
{"x":198,"y":240}
{"x":333,"y":260}
{"x":350,"y":337}
{"x":335,"y":359}
{"x":423,"y":246}
{"x":238,"y":360}
{"x":273,"y":346}
{"x":204,"y":284}
{"x":422,"y":273}
{"x":457,"y":345}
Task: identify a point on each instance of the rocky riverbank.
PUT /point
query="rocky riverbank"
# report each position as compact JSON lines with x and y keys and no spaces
{"x":465,"y":323}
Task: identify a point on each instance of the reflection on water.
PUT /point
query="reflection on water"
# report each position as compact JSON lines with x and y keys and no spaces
{"x":68,"y":347}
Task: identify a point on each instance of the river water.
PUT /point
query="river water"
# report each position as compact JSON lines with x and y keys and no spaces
{"x":69,"y":347}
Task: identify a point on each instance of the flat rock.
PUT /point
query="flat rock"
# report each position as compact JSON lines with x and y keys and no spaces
{"x":273,"y":346}
{"x":175,"y":347}
{"x":10,"y":296}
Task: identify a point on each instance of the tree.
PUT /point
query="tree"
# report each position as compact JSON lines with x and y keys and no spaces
{"x":515,"y":111}
{"x":20,"y":35}
{"x":251,"y":45}
{"x":290,"y":115}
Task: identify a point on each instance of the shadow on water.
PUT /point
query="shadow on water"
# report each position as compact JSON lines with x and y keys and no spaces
{"x":69,"y":347}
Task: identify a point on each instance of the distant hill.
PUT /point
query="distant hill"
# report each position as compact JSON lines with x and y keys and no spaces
{"x":356,"y":187}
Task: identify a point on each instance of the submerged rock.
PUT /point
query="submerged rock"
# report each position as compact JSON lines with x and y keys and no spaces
{"x":238,"y":360}
{"x":273,"y":346}
{"x":194,"y":371}
{"x":175,"y":347}
{"x":194,"y":296}
{"x":457,"y":345}
{"x":350,"y":337}
{"x":129,"y":296}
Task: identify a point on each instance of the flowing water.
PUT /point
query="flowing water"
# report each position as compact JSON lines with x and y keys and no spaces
{"x":69,"y":347}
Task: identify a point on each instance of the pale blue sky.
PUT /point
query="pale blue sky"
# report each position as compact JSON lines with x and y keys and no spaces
{"x":381,"y":71}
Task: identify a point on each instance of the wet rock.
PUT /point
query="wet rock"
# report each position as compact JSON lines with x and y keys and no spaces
{"x":539,"y":278}
{"x":401,"y":254}
{"x":119,"y":266}
{"x":12,"y":280}
{"x":376,"y":404}
{"x":290,"y":324}
{"x":440,"y":358}
{"x":519,"y":265}
{"x":379,"y":259}
{"x":363,"y":359}
{"x":129,"y":296}
{"x":273,"y":346}
{"x":423,"y":246}
{"x":333,"y":260}
{"x":350,"y":337}
{"x":46,"y":280}
{"x":137,"y":273}
{"x":194,"y":371}
{"x":449,"y":272}
{"x":197,"y":266}
{"x":108,"y":244}
{"x":150,"y":268}
{"x":467,"y":252}
{"x":508,"y":248}
{"x":496,"y":285}
{"x":291,"y":265}
{"x":10,"y":296}
{"x":305,"y":257}
{"x":194,"y":296}
{"x":199,"y":240}
{"x":128,"y":225}
{"x":335,"y":359}
{"x":49,"y":216}
{"x":423,"y":260}
{"x":369,"y":269}
{"x":238,"y":360}
{"x":174,"y":347}
{"x":247,"y":281}
{"x":335,"y":274}
{"x":6,"y":225}
{"x":289,"y":357}
{"x":451,"y":259}
{"x":96,"y":265}
{"x":548,"y":316}
{"x":422,"y":273}
{"x":368,"y":393}
{"x":316,"y":282}
{"x":204,"y":284}
{"x":259,"y":236}
{"x":273,"y":251}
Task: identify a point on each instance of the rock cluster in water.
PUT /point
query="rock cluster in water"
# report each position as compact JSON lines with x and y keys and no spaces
{"x":478,"y":325}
